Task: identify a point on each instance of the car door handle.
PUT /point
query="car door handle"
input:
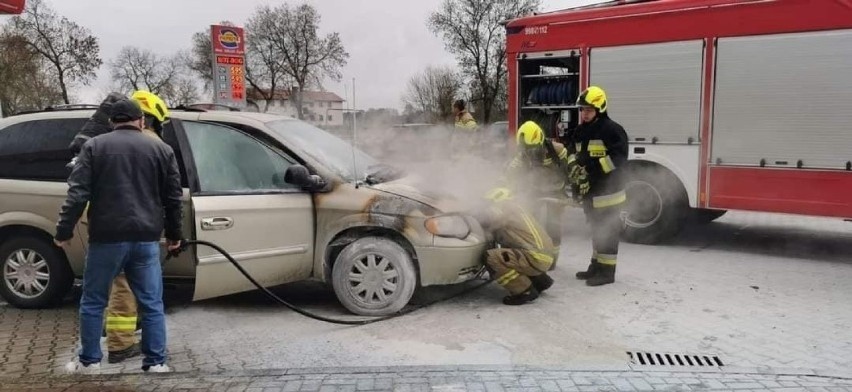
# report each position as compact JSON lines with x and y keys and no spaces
{"x":217,"y":223}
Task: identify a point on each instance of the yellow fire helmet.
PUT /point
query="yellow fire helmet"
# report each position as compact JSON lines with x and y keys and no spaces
{"x":152,"y":105}
{"x":530,"y":135}
{"x":593,"y":96}
{"x":499,"y":194}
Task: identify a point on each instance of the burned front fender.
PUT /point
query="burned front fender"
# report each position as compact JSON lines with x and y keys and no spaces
{"x":348,"y":213}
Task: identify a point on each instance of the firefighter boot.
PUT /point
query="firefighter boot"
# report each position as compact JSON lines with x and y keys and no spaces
{"x":588,"y":273}
{"x":121,"y":355}
{"x":541,"y":282}
{"x":527,"y":296}
{"x":605,"y":274}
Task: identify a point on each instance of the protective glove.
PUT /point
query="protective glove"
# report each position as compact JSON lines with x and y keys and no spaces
{"x":583,"y":186}
{"x":577,"y":174}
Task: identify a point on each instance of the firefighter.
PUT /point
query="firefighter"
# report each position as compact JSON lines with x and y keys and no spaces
{"x":600,"y":147}
{"x":155,"y":110}
{"x":535,"y":150}
{"x":122,"y":317}
{"x":539,"y":170}
{"x":463,"y":138}
{"x":524,"y":251}
{"x":463,"y":119}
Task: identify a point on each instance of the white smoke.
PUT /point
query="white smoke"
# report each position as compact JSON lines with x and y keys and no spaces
{"x":442,"y":159}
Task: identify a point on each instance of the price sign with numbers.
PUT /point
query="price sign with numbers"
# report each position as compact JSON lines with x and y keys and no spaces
{"x":228,"y":65}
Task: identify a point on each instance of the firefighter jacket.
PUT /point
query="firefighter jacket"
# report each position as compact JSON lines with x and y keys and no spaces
{"x":465,"y":122}
{"x":601,"y":147}
{"x":98,"y":124}
{"x":543,"y":175}
{"x":514,"y":228}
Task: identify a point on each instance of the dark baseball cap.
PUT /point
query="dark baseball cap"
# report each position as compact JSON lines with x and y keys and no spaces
{"x":125,"y":110}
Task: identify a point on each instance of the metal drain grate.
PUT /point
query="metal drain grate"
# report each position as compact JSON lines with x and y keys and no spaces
{"x":663,"y":359}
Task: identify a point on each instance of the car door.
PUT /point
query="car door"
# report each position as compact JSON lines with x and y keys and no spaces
{"x":243,"y":205}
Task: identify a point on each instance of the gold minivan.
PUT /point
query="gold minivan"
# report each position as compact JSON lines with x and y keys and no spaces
{"x":287,"y":200}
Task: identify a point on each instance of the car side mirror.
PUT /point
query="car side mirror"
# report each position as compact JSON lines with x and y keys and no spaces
{"x":300,"y":176}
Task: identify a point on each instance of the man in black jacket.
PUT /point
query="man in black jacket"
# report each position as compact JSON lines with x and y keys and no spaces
{"x":132,"y":185}
{"x":601,"y":148}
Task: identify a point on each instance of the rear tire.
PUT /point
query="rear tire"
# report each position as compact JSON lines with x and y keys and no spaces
{"x":33,"y":273}
{"x":704,"y":216}
{"x":657,"y":205}
{"x":374,"y":276}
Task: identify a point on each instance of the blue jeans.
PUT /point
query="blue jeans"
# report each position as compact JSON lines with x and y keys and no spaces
{"x":141,"y":264}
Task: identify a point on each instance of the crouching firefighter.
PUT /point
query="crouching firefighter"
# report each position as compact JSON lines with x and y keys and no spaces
{"x":524,"y":251}
{"x":600,"y":148}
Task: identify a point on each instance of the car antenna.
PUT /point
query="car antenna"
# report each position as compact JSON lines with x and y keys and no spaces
{"x":354,"y":136}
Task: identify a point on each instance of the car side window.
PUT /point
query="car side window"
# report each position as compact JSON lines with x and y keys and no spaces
{"x":230,"y":161}
{"x":38,"y":150}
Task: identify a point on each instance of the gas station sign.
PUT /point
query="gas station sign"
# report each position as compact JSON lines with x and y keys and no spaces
{"x":228,"y":65}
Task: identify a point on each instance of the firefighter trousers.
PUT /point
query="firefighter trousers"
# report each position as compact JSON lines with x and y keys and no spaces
{"x":607,"y":225}
{"x":512,"y":267}
{"x":121,"y":316}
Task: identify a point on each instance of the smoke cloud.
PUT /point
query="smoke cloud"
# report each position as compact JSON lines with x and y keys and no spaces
{"x":439,"y":159}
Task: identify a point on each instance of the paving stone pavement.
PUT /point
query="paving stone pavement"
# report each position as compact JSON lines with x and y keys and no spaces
{"x":758,"y":290}
{"x":443,"y":379}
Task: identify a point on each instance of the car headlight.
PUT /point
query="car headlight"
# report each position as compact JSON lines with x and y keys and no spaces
{"x":452,"y":226}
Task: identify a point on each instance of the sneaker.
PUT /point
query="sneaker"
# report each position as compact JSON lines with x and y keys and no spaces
{"x":121,"y":355}
{"x":161,"y":368}
{"x":77,"y":367}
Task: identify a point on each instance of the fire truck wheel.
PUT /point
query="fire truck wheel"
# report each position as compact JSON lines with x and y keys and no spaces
{"x":703,"y":216}
{"x":657,"y":205}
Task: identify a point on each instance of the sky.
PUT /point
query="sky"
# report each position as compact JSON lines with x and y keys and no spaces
{"x":388,"y":40}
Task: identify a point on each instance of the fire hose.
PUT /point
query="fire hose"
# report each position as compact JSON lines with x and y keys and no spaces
{"x":187,"y":243}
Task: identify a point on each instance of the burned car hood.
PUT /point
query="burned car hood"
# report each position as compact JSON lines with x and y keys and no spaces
{"x":407,"y":187}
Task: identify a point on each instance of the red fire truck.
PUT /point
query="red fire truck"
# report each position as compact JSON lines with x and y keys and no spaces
{"x":729,"y":104}
{"x":13,"y":7}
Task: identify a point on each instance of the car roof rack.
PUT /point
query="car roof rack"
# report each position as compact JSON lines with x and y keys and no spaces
{"x":71,"y":106}
{"x":206,"y":107}
{"x":57,"y":108}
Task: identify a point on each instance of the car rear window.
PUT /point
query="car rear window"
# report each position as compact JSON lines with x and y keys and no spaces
{"x":38,"y":149}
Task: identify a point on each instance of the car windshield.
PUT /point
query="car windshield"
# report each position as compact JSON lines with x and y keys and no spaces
{"x":331,"y":151}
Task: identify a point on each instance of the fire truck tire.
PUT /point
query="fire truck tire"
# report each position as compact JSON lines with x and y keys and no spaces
{"x":657,"y":205}
{"x":704,"y":215}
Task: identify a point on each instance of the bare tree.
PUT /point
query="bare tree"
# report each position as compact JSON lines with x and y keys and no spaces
{"x":433,"y":91}
{"x":184,"y":88}
{"x":142,"y":69}
{"x":27,"y":83}
{"x":308,"y":58}
{"x":182,"y":91}
{"x":265,"y":71}
{"x":69,"y":48}
{"x":473,"y":32}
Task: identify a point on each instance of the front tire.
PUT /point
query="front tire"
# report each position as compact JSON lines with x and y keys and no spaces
{"x":374,"y":276}
{"x":657,"y":205}
{"x":33,"y":273}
